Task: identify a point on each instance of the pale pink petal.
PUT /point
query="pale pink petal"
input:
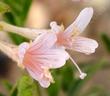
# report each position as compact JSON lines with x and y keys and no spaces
{"x":84,"y":18}
{"x":34,"y":73}
{"x":44,"y":41}
{"x":84,"y":45}
{"x":51,"y":58}
{"x":32,"y":66}
{"x":44,"y":82}
{"x":41,"y":56}
{"x":22,"y":50}
{"x":38,"y":72}
{"x":48,"y":57}
{"x":54,"y":58}
{"x":81,"y":21}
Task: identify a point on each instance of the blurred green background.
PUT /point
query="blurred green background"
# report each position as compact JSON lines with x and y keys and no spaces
{"x":38,"y":14}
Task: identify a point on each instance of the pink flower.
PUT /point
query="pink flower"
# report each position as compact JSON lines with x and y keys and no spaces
{"x":65,"y":39}
{"x":70,"y":39}
{"x":40,"y":55}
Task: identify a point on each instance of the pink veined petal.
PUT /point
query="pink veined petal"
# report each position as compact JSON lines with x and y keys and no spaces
{"x":34,"y":73}
{"x":54,"y":58}
{"x":81,"y":21}
{"x":44,"y":82}
{"x":45,"y":41}
{"x":43,"y":55}
{"x":38,"y":72}
{"x":33,"y":66}
{"x":47,"y":79}
{"x":84,"y":45}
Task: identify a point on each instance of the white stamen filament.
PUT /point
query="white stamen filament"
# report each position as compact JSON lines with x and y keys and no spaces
{"x":82,"y":74}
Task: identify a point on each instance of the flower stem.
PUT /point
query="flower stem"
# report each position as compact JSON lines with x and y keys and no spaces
{"x":26,"y":32}
{"x":9,"y":50}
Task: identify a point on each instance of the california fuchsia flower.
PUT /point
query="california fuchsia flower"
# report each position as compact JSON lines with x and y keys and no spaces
{"x":70,"y":39}
{"x":40,"y":56}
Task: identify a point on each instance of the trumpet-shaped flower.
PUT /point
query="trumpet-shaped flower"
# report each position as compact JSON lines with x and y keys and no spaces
{"x":68,"y":38}
{"x":40,"y":56}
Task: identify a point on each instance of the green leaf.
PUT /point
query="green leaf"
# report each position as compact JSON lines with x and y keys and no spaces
{"x":17,"y":16}
{"x":4,"y":7}
{"x":27,"y":87}
{"x":106,"y":41}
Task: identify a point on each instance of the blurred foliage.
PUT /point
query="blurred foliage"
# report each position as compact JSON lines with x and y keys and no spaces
{"x":1,"y":94}
{"x":69,"y":84}
{"x":106,"y":41}
{"x":17,"y":16}
{"x":7,"y":85}
{"x":96,"y":91}
{"x":4,"y":8}
{"x":55,"y":88}
{"x":26,"y":87}
{"x":14,"y":90}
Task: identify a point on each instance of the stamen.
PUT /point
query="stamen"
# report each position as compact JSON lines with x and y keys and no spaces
{"x":55,"y":27}
{"x":82,"y":74}
{"x":53,"y":23}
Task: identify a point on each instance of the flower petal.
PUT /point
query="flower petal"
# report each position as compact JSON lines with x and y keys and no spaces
{"x":44,"y":41}
{"x":22,"y":50}
{"x":84,"y":45}
{"x":43,"y":55}
{"x":43,"y":81}
{"x":81,"y":21}
{"x":54,"y":58}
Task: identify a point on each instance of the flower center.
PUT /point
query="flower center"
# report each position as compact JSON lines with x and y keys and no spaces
{"x":63,"y":40}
